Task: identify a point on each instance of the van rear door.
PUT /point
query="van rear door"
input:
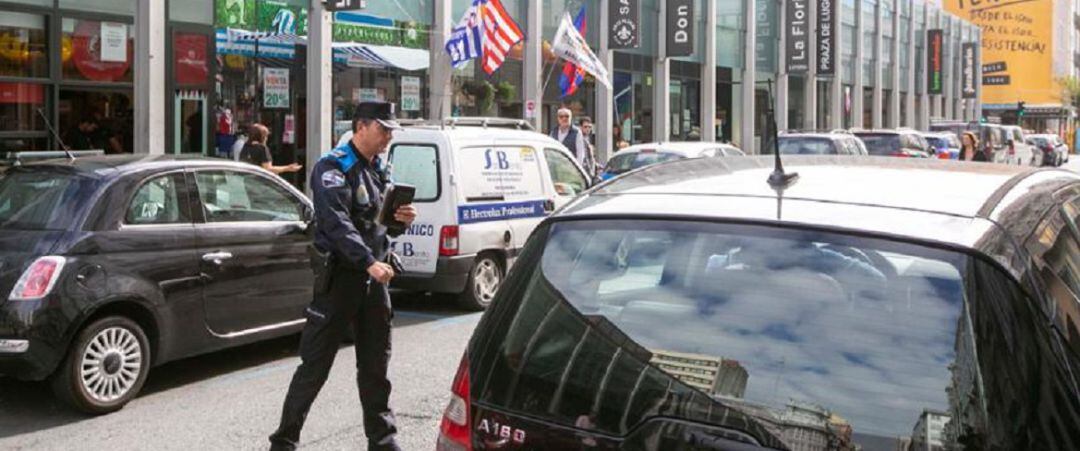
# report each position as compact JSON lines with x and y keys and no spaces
{"x":502,"y":196}
{"x":418,"y":164}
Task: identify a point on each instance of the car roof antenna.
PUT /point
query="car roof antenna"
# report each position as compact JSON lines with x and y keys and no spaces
{"x":778,"y":179}
{"x":67,"y":150}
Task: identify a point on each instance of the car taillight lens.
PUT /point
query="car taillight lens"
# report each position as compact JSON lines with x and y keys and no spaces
{"x":448,"y":241}
{"x":38,"y":279}
{"x":900,"y":154}
{"x":454,"y":433}
{"x":944,"y":155}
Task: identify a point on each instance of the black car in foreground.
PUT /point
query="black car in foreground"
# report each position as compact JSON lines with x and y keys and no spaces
{"x":112,"y":265}
{"x":692,"y":305}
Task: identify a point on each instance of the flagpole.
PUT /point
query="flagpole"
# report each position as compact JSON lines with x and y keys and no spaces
{"x":547,"y":79}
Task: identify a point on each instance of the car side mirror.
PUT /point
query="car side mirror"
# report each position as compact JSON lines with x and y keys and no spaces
{"x":307,"y":215}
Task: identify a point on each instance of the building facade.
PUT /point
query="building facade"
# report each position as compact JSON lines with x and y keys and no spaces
{"x":186,"y":76}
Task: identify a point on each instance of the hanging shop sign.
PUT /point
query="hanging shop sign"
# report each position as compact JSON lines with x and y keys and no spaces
{"x":967,"y":70}
{"x":798,"y":36}
{"x":826,"y":36}
{"x":345,"y":5}
{"x":766,"y":49}
{"x":625,"y":19}
{"x":933,"y":61}
{"x":680,"y":28}
{"x":368,"y":29}
{"x":410,"y":93}
{"x":275,"y":88}
{"x":189,"y":58}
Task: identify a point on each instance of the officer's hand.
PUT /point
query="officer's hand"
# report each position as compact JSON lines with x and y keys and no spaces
{"x":406,"y":214}
{"x":381,"y":272}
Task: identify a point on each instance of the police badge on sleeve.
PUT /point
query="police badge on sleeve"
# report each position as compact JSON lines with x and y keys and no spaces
{"x":333,"y":179}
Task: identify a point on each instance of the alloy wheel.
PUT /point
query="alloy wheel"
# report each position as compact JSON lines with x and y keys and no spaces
{"x":110,"y":364}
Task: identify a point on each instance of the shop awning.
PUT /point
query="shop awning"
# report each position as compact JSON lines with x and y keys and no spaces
{"x":381,"y":55}
{"x":229,"y":42}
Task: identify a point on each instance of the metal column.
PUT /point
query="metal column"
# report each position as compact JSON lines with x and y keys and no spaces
{"x":149,"y":120}
{"x":746,"y":127}
{"x":533,"y":64}
{"x":894,"y":96}
{"x":810,"y":92}
{"x":860,"y":54}
{"x":911,"y":115}
{"x":320,"y":80}
{"x":708,"y":75}
{"x":876,"y":67}
{"x":605,"y":97}
{"x":440,"y":98}
{"x":836,"y":85}
{"x":661,"y":81}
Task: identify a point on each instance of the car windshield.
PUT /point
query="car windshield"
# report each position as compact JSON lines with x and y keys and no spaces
{"x":625,"y":162}
{"x":806,"y":146}
{"x":761,"y":329}
{"x":39,"y":199}
{"x":881,"y":144}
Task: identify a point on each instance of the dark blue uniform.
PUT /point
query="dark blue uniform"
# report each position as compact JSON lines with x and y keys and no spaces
{"x":347,"y":192}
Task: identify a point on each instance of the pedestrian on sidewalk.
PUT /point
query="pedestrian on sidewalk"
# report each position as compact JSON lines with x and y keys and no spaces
{"x":969,"y":148}
{"x":256,"y":152}
{"x":573,"y":138}
{"x":353,"y":268}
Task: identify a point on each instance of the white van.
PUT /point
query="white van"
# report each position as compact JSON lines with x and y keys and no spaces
{"x":482,"y":186}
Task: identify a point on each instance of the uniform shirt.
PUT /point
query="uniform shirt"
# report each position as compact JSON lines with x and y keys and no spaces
{"x":347,"y":191}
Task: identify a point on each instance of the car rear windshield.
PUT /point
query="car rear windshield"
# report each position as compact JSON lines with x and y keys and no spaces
{"x":39,"y":199}
{"x":881,"y":144}
{"x":775,"y":332}
{"x":806,"y":146}
{"x":626,"y":162}
{"x":938,"y":143}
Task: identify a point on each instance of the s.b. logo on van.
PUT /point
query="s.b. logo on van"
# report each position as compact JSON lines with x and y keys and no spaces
{"x":500,"y":160}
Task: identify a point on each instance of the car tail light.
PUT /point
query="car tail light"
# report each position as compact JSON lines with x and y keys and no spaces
{"x":944,"y":155}
{"x":38,"y":279}
{"x":900,"y":154}
{"x":454,"y":432}
{"x":448,"y":241}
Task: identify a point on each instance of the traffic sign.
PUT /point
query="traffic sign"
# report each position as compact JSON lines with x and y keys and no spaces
{"x":345,"y":5}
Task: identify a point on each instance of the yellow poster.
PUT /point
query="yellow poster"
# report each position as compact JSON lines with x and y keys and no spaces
{"x":1017,"y":48}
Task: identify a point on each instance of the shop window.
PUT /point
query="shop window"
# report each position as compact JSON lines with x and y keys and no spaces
{"x":23,"y":45}
{"x":21,"y":144}
{"x":98,"y":51}
{"x":95,"y":119}
{"x":19,"y":105}
{"x":124,"y":7}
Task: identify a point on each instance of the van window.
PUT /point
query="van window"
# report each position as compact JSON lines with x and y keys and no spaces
{"x":565,"y":176}
{"x":499,"y":173}
{"x":417,"y":165}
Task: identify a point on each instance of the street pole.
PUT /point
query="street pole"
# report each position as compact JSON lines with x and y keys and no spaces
{"x":149,"y":120}
{"x":441,"y":90}
{"x":605,"y":96}
{"x":319,"y":86}
{"x":662,"y":83}
{"x":533,"y":64}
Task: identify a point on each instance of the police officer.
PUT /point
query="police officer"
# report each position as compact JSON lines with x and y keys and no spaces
{"x":347,"y":187}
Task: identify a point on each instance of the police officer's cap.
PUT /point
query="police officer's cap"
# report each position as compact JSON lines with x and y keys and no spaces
{"x":383,"y":112}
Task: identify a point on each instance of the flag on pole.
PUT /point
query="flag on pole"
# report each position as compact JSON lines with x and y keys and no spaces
{"x":465,"y":39}
{"x":573,"y":76}
{"x":487,"y":32}
{"x":571,"y":46}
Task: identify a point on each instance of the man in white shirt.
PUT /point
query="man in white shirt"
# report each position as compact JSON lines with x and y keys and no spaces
{"x":572,"y":137}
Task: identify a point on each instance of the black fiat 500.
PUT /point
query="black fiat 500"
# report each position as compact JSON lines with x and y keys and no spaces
{"x":111,"y":265}
{"x":694,"y":305}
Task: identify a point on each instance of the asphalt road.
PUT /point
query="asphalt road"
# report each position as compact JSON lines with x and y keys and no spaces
{"x":231,"y":400}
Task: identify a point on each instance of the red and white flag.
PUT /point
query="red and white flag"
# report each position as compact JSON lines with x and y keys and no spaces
{"x":500,"y":34}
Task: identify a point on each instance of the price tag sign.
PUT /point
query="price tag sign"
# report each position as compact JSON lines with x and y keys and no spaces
{"x":275,"y":88}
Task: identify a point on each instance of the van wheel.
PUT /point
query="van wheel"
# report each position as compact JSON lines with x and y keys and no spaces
{"x":484,"y":280}
{"x":105,"y":368}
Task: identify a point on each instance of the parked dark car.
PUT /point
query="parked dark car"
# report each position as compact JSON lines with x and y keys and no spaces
{"x":692,"y":305}
{"x":112,"y":265}
{"x":895,"y":143}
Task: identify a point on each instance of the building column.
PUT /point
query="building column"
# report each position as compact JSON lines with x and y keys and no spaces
{"x":860,"y":54}
{"x":661,"y":81}
{"x":876,"y":68}
{"x":948,"y":66}
{"x":149,"y":120}
{"x":605,"y":96}
{"x":746,"y":126}
{"x":440,"y":85}
{"x":894,"y":96}
{"x":935,"y":99}
{"x":533,"y":66}
{"x":958,"y":71}
{"x":836,"y":85}
{"x":977,"y":102}
{"x":924,"y":107}
{"x":708,"y":75}
{"x":320,"y":102}
{"x":911,"y":116}
{"x":810,"y":97}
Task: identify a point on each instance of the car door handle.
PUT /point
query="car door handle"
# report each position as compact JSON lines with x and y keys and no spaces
{"x":216,"y":257}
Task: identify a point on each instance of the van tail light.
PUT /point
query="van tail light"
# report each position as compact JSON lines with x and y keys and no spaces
{"x":448,"y":241}
{"x":454,"y":432}
{"x":38,"y":279}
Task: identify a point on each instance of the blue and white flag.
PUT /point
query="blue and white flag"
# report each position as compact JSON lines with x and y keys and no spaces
{"x":464,"y":42}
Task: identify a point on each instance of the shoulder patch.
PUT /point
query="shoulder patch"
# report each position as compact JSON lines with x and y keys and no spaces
{"x":333,"y":179}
